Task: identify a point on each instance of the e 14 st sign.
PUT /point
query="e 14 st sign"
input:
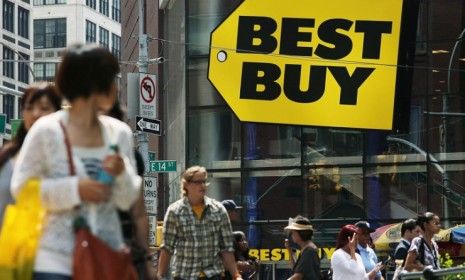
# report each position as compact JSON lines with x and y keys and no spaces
{"x":309,"y":62}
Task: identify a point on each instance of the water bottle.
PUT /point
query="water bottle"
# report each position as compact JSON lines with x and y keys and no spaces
{"x":103,"y":176}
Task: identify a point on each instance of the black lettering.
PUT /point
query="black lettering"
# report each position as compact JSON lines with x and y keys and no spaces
{"x":250,"y":79}
{"x":373,"y":31}
{"x":247,"y":32}
{"x":327,"y":32}
{"x":290,"y":36}
{"x":350,"y":84}
{"x":316,"y":87}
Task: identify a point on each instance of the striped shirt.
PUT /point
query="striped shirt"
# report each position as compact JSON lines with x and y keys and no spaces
{"x":196,"y":244}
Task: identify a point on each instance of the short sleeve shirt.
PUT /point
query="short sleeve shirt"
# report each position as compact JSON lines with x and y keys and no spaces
{"x":196,"y":244}
{"x":308,"y":264}
{"x":431,"y":255}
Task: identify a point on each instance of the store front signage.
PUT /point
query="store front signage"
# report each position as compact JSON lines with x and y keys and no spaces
{"x":280,"y":254}
{"x":309,"y":62}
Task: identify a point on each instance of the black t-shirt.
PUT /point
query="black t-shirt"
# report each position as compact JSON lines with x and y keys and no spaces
{"x":308,"y":264}
{"x":401,"y":250}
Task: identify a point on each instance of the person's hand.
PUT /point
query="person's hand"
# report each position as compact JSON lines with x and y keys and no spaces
{"x":352,"y":243}
{"x":93,"y":191}
{"x":113,"y":164}
{"x":287,"y":244}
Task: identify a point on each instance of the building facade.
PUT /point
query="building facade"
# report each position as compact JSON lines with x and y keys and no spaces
{"x":17,"y":51}
{"x":334,"y":176}
{"x":33,"y":34}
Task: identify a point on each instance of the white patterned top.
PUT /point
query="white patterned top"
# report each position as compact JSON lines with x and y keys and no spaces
{"x":44,"y":155}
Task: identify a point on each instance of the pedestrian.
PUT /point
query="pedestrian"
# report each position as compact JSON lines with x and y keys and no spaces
{"x":346,"y":263}
{"x":39,"y":99}
{"x":79,"y":137}
{"x":197,"y":233}
{"x":423,"y":251}
{"x":367,"y":253}
{"x":409,"y":230}
{"x":307,"y":265}
{"x":233,"y":210}
{"x":248,"y":266}
{"x":135,"y":223}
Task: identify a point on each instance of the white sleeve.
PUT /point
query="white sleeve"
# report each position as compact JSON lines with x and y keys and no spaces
{"x":128,"y":183}
{"x":33,"y":161}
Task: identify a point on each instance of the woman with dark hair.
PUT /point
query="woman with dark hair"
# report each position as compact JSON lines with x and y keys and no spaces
{"x":307,"y":265}
{"x":346,"y":264}
{"x":247,"y":265}
{"x":69,"y":151}
{"x":38,"y":100}
{"x":423,"y":250}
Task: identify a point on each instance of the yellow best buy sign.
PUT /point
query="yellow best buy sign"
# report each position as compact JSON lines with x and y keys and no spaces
{"x":309,"y":62}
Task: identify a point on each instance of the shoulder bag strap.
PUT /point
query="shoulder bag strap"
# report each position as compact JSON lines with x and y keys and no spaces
{"x":72,"y":169}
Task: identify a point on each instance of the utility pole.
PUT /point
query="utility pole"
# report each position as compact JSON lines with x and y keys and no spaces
{"x":141,"y":137}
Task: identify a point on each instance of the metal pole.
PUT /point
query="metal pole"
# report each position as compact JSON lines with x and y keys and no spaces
{"x":141,"y":137}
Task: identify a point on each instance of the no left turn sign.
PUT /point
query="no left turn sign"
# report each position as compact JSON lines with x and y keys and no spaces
{"x":148,"y":93}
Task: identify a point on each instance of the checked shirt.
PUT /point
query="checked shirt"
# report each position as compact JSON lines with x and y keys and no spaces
{"x":196,"y":244}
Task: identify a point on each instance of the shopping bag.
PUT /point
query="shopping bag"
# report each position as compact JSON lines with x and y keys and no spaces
{"x":20,"y":233}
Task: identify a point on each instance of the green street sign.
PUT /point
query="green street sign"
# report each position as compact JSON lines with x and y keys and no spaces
{"x":2,"y":123}
{"x":162,"y":166}
{"x":15,"y":123}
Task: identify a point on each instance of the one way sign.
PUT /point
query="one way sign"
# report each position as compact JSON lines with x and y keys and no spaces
{"x":148,"y":125}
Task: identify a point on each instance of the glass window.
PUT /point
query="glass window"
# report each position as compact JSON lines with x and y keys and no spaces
{"x":45,"y":71}
{"x":332,"y":146}
{"x":8,"y":63}
{"x":272,"y":145}
{"x":201,"y":91}
{"x":271,"y":195}
{"x":23,"y":22}
{"x":116,"y":10}
{"x":49,"y":33}
{"x":204,"y":16}
{"x":103,"y":7}
{"x":396,"y":191}
{"x":8,"y":16}
{"x":91,"y":32}
{"x":48,"y":2}
{"x":9,"y":106}
{"x":104,"y":37}
{"x":116,"y":45}
{"x":92,"y":4}
{"x":214,"y":138}
{"x":23,"y":68}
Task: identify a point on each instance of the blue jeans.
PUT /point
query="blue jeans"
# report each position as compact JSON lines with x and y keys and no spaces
{"x":50,"y":276}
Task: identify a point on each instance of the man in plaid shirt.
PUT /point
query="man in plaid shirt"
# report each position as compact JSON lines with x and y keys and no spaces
{"x":197,"y":233}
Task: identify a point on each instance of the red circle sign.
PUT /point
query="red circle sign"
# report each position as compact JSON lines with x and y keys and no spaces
{"x":147,"y":89}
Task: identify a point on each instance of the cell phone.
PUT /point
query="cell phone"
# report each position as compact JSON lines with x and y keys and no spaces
{"x":292,"y":244}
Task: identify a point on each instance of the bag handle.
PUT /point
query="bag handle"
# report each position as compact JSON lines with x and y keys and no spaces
{"x":72,"y":169}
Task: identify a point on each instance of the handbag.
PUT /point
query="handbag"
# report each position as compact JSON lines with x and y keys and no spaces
{"x":20,"y":234}
{"x":93,"y":259}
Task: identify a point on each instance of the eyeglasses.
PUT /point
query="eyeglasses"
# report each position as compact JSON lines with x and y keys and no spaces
{"x":199,"y":182}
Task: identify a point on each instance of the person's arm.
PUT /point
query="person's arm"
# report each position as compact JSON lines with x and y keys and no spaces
{"x":374,"y":272}
{"x":287,"y":245}
{"x":411,"y":263}
{"x":41,"y":151}
{"x":230,"y":264}
{"x":163,"y":263}
{"x":125,"y":190}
